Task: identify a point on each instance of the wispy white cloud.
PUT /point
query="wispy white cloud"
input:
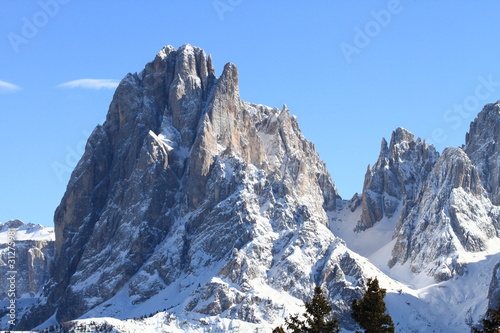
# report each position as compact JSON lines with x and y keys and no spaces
{"x":7,"y":87}
{"x":91,"y":84}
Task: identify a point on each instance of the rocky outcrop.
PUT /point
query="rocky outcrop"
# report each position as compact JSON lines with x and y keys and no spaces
{"x":186,"y":181}
{"x":397,"y":178}
{"x":494,"y":290}
{"x":453,"y":216}
{"x":482,"y":144}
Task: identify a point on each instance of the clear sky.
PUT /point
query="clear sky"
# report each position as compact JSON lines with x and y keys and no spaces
{"x":351,"y":71}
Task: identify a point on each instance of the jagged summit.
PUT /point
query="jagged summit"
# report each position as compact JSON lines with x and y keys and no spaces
{"x":15,"y":223}
{"x":481,"y":144}
{"x":26,"y":231}
{"x":397,"y":176}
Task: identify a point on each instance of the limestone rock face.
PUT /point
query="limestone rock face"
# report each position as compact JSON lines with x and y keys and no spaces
{"x":482,"y":144}
{"x":453,"y":216}
{"x":187,"y":182}
{"x":396,"y":179}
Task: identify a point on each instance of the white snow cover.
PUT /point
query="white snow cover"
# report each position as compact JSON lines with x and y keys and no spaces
{"x":27,"y":232}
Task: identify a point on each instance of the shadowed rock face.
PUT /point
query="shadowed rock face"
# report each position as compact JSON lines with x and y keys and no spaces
{"x":494,"y":290}
{"x":482,"y":146}
{"x":453,"y":215}
{"x":185,"y":179}
{"x":397,"y":177}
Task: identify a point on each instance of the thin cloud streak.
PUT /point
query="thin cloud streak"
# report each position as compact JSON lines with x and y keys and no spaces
{"x":91,"y":84}
{"x":7,"y":87}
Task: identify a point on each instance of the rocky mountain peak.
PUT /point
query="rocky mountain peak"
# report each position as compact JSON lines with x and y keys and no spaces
{"x":15,"y":223}
{"x":184,"y":180}
{"x":482,"y":146}
{"x":396,"y":177}
{"x":401,"y":135}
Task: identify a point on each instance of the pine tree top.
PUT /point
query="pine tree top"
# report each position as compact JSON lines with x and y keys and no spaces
{"x":316,"y":317}
{"x":370,"y":311}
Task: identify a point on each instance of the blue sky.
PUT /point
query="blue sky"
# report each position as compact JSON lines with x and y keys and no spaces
{"x":350,"y":71}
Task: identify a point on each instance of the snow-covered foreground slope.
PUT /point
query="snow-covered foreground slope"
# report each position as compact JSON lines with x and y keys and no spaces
{"x":415,"y":301}
{"x":274,"y":307}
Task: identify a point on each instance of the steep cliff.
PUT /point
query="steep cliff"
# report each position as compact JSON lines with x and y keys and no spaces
{"x":481,"y":144}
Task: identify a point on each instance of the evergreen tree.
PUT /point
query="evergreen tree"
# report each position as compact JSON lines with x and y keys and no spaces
{"x":491,"y":323}
{"x":370,"y":311}
{"x":317,"y":311}
{"x":279,"y":329}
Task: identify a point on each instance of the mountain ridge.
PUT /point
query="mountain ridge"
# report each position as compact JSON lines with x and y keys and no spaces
{"x":187,"y":190}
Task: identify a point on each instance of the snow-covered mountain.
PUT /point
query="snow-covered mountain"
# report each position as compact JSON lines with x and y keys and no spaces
{"x":189,"y":199}
{"x":214,"y":213}
{"x":26,"y":257}
{"x":397,"y":178}
{"x":33,"y":254}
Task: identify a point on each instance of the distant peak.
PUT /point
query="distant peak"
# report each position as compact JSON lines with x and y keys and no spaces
{"x":15,"y":223}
